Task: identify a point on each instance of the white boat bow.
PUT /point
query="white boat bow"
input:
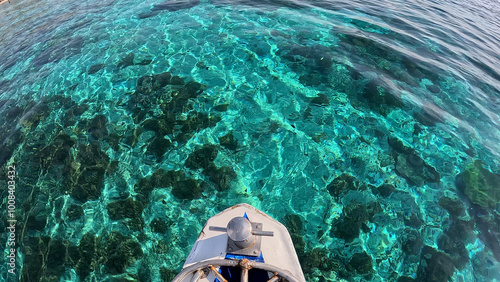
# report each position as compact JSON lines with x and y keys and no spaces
{"x":242,"y":243}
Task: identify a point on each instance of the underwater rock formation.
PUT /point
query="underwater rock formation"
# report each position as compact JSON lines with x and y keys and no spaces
{"x":459,"y":233}
{"x":89,"y":184}
{"x":412,"y":219}
{"x":56,"y":153}
{"x":354,"y":218}
{"x":44,"y":259}
{"x":73,"y":114}
{"x":411,"y":242}
{"x":160,"y":179}
{"x":319,"y":258}
{"x":428,"y":117}
{"x":203,"y":157}
{"x":221,"y":107}
{"x":316,"y":64}
{"x":56,"y":52}
{"x":384,"y":190}
{"x":378,"y":98}
{"x":159,"y":225}
{"x":10,"y":137}
{"x":229,"y":142}
{"x":170,"y":96}
{"x":158,"y":147}
{"x":183,"y":188}
{"x":341,"y":185}
{"x":84,"y":176}
{"x":170,"y":6}
{"x":316,"y":258}
{"x":435,"y":266}
{"x":34,"y":113}
{"x":410,"y":165}
{"x":293,"y":223}
{"x":188,"y":189}
{"x":480,"y":185}
{"x":167,"y":274}
{"x":362,"y":263}
{"x":320,"y":100}
{"x":488,"y":224}
{"x":262,"y":4}
{"x":455,"y":247}
{"x":194,"y":123}
{"x":84,"y":255}
{"x":74,"y":212}
{"x":405,"y":279}
{"x":453,"y":206}
{"x":315,"y":59}
{"x":131,"y":59}
{"x":419,"y":70}
{"x":150,"y":83}
{"x":221,"y":176}
{"x":95,"y":68}
{"x":372,"y":47}
{"x":97,"y":127}
{"x":176,"y":5}
{"x":375,"y":51}
{"x":119,"y":252}
{"x":92,"y":156}
{"x":127,"y":208}
{"x":344,"y":183}
{"x":126,"y":61}
{"x":162,"y":125}
{"x":47,"y":258}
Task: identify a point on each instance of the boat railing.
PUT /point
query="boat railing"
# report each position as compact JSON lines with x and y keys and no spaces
{"x":202,"y":269}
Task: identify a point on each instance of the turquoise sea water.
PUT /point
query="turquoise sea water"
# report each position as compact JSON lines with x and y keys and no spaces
{"x":371,"y":129}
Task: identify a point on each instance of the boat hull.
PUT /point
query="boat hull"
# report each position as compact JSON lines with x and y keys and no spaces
{"x":276,"y":251}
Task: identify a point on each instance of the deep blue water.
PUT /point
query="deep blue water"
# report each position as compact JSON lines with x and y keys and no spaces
{"x":371,"y":129}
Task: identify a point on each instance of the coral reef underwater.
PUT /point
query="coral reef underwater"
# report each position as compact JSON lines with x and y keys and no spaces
{"x":129,"y":130}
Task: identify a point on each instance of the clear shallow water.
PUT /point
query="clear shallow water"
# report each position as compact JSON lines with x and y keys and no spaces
{"x":358,"y":125}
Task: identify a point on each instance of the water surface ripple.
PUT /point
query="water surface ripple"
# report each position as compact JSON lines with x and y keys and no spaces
{"x":371,"y":129}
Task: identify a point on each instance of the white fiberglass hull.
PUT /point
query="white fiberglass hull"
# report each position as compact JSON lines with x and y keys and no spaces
{"x":276,"y":251}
